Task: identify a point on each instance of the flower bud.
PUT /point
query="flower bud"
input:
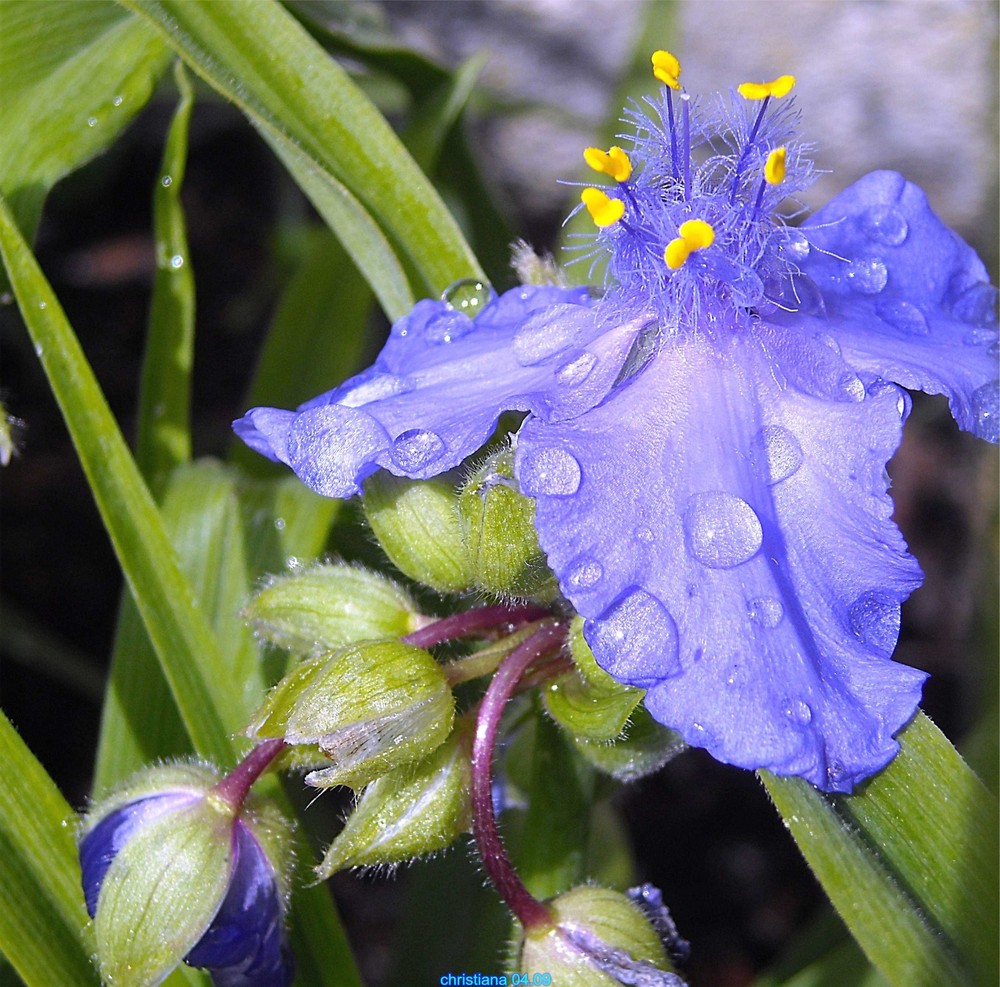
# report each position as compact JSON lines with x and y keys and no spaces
{"x":328,"y":606}
{"x":588,"y":702}
{"x":417,"y":809}
{"x":416,"y":523}
{"x":368,"y":707}
{"x":598,"y":938}
{"x":172,"y":871}
{"x":499,"y":527}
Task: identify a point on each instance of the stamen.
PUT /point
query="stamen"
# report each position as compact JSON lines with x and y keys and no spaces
{"x":604,"y":210}
{"x":774,"y":174}
{"x":686,"y":105}
{"x":614,"y":162}
{"x":695,"y":234}
{"x":666,"y":68}
{"x":774,"y":167}
{"x":777,"y":88}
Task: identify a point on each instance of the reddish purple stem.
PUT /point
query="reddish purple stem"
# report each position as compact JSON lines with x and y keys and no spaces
{"x":235,"y":787}
{"x":473,"y":621}
{"x":528,"y":910}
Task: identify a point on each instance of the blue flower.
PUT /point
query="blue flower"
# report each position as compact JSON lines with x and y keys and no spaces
{"x":169,"y":872}
{"x":706,"y":439}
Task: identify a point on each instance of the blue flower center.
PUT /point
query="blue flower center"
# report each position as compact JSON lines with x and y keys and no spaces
{"x":690,"y":226}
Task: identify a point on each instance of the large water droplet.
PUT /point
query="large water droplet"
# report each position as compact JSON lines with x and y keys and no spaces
{"x":177,"y":262}
{"x":775,"y":453}
{"x":586,"y":573}
{"x":722,"y":530}
{"x":765,"y":611}
{"x":416,"y":449}
{"x":986,"y":409}
{"x":799,"y":293}
{"x":576,"y":371}
{"x":468,"y":296}
{"x":117,"y":100}
{"x":448,"y":326}
{"x":550,"y":470}
{"x":91,"y":121}
{"x":903,"y":316}
{"x":874,"y":619}
{"x":635,"y":639}
{"x":546,"y":334}
{"x":375,"y":388}
{"x":867,"y":275}
{"x":977,"y":305}
{"x":798,"y":711}
{"x":166,"y":181}
{"x":885,"y":224}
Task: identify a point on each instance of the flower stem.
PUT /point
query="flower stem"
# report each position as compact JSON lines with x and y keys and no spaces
{"x":234,"y":788}
{"x":471,"y":621}
{"x":528,"y":910}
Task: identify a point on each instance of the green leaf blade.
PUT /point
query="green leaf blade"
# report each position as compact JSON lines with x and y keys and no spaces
{"x":329,"y":131}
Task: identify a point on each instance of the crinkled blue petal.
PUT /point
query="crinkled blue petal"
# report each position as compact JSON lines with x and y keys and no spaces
{"x":245,"y":944}
{"x":723,"y":523}
{"x":100,"y":845}
{"x":436,"y":391}
{"x":903,"y":297}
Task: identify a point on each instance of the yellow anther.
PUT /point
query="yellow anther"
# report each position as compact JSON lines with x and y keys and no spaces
{"x":695,"y":234}
{"x":666,"y":68}
{"x":777,"y":88}
{"x":676,"y":253}
{"x":614,"y":162}
{"x":604,"y":210}
{"x":774,"y":167}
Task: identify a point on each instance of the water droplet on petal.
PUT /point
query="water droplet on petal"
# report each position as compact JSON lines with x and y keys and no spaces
{"x":722,"y":530}
{"x":775,"y":453}
{"x":577,"y":370}
{"x":417,"y":449}
{"x":867,"y":275}
{"x":874,"y":620}
{"x":468,"y":296}
{"x":635,"y":639}
{"x":546,"y":334}
{"x":903,"y":316}
{"x":166,"y":181}
{"x":448,"y":326}
{"x":977,"y":305}
{"x":376,"y":388}
{"x":799,"y":293}
{"x":979,"y":337}
{"x":886,"y":224}
{"x":766,"y":611}
{"x":986,"y":409}
{"x":796,"y":246}
{"x":551,"y":471}
{"x":835,"y":771}
{"x":586,"y":573}
{"x":798,"y":711}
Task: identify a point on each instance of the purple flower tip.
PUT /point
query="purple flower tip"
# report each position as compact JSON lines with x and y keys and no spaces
{"x":706,"y":442}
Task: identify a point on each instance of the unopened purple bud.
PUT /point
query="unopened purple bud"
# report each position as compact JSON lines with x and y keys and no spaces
{"x":172,"y":871}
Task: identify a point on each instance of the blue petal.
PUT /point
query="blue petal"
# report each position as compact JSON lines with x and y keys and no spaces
{"x":722,"y":521}
{"x":245,"y":945}
{"x":904,"y":297}
{"x":436,"y":391}
{"x":100,"y":845}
